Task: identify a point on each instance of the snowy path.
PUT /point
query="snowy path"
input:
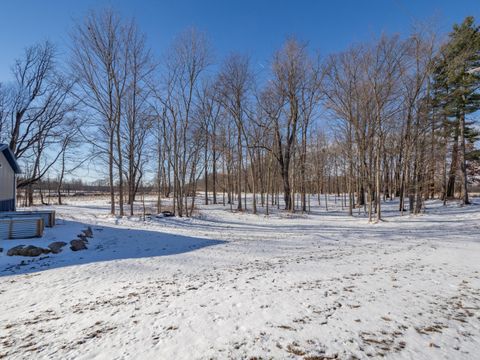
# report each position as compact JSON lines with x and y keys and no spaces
{"x":242,"y":286}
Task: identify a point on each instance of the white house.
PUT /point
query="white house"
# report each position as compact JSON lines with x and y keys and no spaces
{"x":8,"y":185}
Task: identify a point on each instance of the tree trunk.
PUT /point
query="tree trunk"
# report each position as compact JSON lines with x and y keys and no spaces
{"x":453,"y":166}
{"x":463,"y":163}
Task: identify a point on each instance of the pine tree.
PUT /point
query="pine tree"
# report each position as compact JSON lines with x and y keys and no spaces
{"x":457,"y":80}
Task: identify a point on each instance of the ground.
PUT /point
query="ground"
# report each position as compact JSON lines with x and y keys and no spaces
{"x":243,"y":286}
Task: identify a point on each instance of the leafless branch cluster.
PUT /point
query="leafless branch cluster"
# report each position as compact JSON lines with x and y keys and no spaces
{"x":364,"y":124}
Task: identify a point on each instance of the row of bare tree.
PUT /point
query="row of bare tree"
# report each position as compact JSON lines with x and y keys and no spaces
{"x":367,"y":124}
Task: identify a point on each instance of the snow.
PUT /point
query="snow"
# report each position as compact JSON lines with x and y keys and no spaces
{"x":231,"y":285}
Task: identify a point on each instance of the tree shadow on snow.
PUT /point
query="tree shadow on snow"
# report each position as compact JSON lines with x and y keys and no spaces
{"x":108,"y":244}
{"x":394,"y":228}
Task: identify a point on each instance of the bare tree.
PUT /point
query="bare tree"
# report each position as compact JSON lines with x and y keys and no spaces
{"x":137,"y":119}
{"x":209,"y":113}
{"x":294,"y":94}
{"x":33,"y":111}
{"x":99,"y":61}
{"x":233,"y":87}
{"x":187,"y":60}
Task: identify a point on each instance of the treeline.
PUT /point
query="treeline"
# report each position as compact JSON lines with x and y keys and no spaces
{"x":384,"y":119}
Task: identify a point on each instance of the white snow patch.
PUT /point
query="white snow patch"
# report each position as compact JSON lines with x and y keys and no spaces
{"x":230,"y":285}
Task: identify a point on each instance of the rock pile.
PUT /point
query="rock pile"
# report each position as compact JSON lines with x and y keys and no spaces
{"x":55,"y":247}
{"x":30,"y":250}
{"x":82,"y":241}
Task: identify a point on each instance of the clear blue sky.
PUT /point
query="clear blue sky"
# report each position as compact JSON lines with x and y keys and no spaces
{"x":255,"y":27}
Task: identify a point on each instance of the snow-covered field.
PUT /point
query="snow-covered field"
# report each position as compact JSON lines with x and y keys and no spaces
{"x":243,"y":286}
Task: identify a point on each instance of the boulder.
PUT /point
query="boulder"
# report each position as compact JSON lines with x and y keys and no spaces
{"x":15,"y":250}
{"x":167,"y":213}
{"x":30,"y":250}
{"x":83,"y":237}
{"x":78,"y":244}
{"x":57,"y":246}
{"x":88,"y":232}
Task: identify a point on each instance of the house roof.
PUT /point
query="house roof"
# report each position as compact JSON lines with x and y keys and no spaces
{"x":9,"y":155}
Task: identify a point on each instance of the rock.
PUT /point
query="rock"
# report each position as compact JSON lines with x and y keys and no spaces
{"x":83,"y":237}
{"x":30,"y":250}
{"x":78,"y":244}
{"x":15,"y":250}
{"x":167,"y":213}
{"x":88,"y":232}
{"x":57,"y":246}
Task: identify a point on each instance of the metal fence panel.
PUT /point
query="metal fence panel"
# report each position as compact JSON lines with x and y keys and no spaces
{"x":21,"y":227}
{"x":48,"y":216}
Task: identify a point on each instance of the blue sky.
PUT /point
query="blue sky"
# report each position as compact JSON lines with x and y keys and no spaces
{"x":255,"y":27}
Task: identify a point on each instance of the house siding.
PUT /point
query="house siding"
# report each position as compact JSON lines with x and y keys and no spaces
{"x":7,"y":185}
{"x":7,"y":205}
